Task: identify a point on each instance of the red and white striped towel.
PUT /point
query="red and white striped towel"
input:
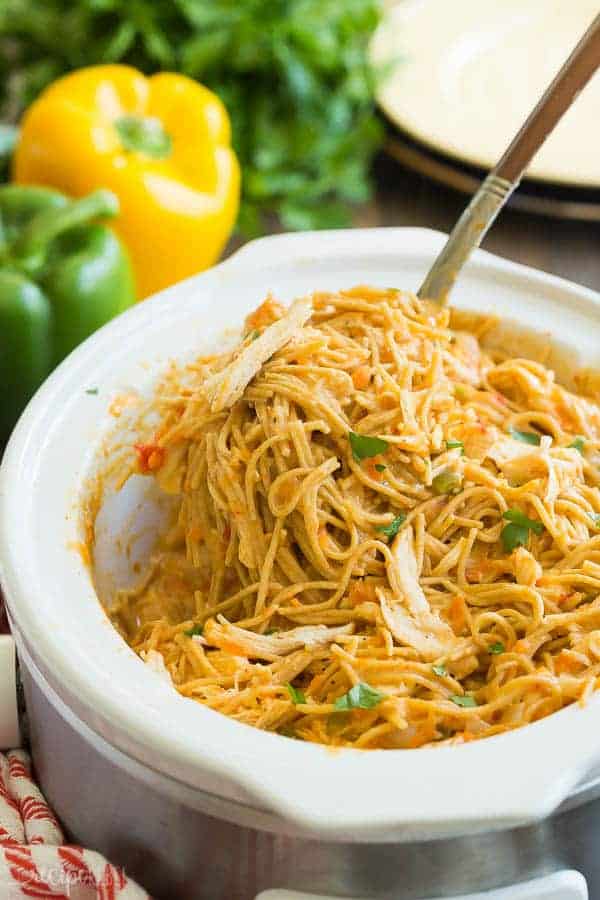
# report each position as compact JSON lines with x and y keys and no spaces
{"x":34,"y":860}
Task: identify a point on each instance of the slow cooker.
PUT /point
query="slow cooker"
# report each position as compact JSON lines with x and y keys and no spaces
{"x":196,"y":805}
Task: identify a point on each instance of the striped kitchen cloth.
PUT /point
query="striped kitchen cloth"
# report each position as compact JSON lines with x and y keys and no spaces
{"x":34,"y":859}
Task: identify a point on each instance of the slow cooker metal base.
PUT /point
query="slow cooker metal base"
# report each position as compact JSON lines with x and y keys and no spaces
{"x":113,"y":804}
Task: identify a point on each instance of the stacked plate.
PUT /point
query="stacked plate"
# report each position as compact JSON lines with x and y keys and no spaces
{"x":462,"y":77}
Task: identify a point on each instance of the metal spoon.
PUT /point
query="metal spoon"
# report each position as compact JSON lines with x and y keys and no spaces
{"x":493,"y":193}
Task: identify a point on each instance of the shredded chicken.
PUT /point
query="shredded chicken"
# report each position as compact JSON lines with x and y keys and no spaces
{"x":413,"y":631}
{"x":466,"y":357}
{"x":505,"y":450}
{"x":270,"y":646}
{"x":410,"y":617}
{"x":527,"y":569}
{"x":403,"y":573}
{"x":224,"y":388}
{"x":477,"y":439}
{"x":560,"y":467}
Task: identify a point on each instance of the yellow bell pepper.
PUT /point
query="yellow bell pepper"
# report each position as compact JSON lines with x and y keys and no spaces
{"x":161,"y":144}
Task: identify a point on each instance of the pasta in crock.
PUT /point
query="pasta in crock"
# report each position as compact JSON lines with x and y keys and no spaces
{"x":386,"y":538}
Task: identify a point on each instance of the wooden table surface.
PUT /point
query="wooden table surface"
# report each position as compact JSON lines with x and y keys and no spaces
{"x":569,"y":249}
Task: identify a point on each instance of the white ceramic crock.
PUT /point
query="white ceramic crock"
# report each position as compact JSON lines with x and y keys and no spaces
{"x":347,"y":795}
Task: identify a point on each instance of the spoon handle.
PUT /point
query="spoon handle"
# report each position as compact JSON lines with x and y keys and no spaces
{"x":495,"y":190}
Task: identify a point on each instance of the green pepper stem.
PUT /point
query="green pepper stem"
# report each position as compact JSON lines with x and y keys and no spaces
{"x":49,"y":223}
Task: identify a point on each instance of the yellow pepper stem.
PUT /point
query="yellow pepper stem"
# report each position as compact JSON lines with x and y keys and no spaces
{"x":144,"y":134}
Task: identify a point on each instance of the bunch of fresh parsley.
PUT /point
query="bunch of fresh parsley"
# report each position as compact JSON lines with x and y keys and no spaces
{"x":294,"y":74}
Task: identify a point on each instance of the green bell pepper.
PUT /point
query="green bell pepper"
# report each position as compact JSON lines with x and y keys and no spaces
{"x":62,"y":276}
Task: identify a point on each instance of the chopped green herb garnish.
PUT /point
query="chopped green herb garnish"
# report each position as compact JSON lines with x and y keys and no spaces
{"x":514,"y":536}
{"x":519,"y":518}
{"x":380,"y":468}
{"x":456,"y":445}
{"x":394,"y":527}
{"x":196,"y":629}
{"x":447,"y":482}
{"x":271,"y":630}
{"x":496,"y":648}
{"x":296,"y":695}
{"x":526,"y":437}
{"x":361,"y":696}
{"x":440,"y":670}
{"x":463,"y":700}
{"x":91,"y":390}
{"x":364,"y":447}
{"x":255,"y":334}
{"x":517,"y":533}
{"x":595,"y":517}
{"x":578,"y":444}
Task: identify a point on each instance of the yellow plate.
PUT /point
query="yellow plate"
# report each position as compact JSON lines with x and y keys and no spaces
{"x":470,"y":71}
